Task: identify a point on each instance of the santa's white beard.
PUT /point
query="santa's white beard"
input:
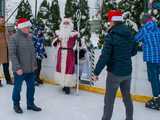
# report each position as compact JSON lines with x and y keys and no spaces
{"x":65,"y":32}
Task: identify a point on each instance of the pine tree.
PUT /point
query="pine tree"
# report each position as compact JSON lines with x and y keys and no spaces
{"x":24,"y":10}
{"x":43,"y":12}
{"x":107,"y":5}
{"x":54,"y":18}
{"x":42,"y":18}
{"x":135,"y":7}
{"x":85,"y":31}
{"x":28,"y":10}
{"x":70,"y":11}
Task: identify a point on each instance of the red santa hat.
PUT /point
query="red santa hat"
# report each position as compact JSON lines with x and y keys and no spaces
{"x":114,"y":15}
{"x":22,"y":23}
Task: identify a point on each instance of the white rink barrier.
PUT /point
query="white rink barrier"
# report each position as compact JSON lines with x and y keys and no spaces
{"x":140,"y":83}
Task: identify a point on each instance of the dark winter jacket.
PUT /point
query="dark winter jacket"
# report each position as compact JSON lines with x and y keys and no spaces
{"x":117,"y":52}
{"x":22,"y":52}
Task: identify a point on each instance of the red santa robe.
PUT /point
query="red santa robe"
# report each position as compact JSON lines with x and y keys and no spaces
{"x":65,"y":68}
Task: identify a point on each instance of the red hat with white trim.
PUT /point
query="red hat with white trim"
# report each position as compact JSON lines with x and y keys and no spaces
{"x":114,"y":15}
{"x":22,"y":23}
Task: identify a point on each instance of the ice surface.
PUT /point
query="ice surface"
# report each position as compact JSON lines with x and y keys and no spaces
{"x":57,"y":106}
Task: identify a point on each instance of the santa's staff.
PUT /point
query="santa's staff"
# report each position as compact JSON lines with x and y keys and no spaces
{"x":78,"y":15}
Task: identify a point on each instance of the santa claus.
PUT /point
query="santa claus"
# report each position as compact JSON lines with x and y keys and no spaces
{"x":65,"y":68}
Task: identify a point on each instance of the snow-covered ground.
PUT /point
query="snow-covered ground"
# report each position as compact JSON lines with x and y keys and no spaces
{"x":57,"y":106}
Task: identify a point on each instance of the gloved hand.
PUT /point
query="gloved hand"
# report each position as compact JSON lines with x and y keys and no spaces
{"x":45,"y":55}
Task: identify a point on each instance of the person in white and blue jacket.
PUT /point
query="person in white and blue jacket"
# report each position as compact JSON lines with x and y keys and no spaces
{"x":38,"y":40}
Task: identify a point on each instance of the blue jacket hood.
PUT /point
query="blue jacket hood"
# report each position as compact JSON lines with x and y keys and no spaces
{"x":150,"y":26}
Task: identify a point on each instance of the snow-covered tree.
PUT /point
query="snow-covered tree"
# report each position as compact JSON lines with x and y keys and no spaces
{"x":70,"y":11}
{"x":138,"y":7}
{"x":106,"y":6}
{"x":134,"y":7}
{"x":85,"y":32}
{"x":130,"y":23}
{"x":153,"y":9}
{"x":54,"y":18}
{"x":24,"y":10}
{"x":42,"y":18}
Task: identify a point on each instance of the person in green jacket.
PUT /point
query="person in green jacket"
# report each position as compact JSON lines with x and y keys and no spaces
{"x":116,"y":55}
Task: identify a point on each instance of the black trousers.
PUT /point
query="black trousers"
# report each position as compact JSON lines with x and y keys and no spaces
{"x":38,"y":71}
{"x":6,"y":72}
{"x":153,"y":70}
{"x":112,"y":84}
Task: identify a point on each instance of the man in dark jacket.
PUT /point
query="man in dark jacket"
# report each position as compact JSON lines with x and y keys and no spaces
{"x":116,"y":55}
{"x":22,"y":54}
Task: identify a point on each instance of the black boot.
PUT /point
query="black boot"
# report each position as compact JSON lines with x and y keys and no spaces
{"x":64,"y":89}
{"x":34,"y":108}
{"x":18,"y":109}
{"x":40,"y":81}
{"x":1,"y":84}
{"x":67,"y":90}
{"x":154,"y":103}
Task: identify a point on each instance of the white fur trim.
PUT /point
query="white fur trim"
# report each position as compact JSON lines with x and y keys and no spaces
{"x":117,"y":18}
{"x":68,"y":80}
{"x":24,"y":24}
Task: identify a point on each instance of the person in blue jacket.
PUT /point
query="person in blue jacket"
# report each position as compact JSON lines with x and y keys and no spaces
{"x":149,"y":35}
{"x":38,"y":40}
{"x":116,"y":54}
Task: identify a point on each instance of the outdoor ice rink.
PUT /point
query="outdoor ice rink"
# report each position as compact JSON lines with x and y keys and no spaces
{"x":57,"y":106}
{"x":85,"y":105}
